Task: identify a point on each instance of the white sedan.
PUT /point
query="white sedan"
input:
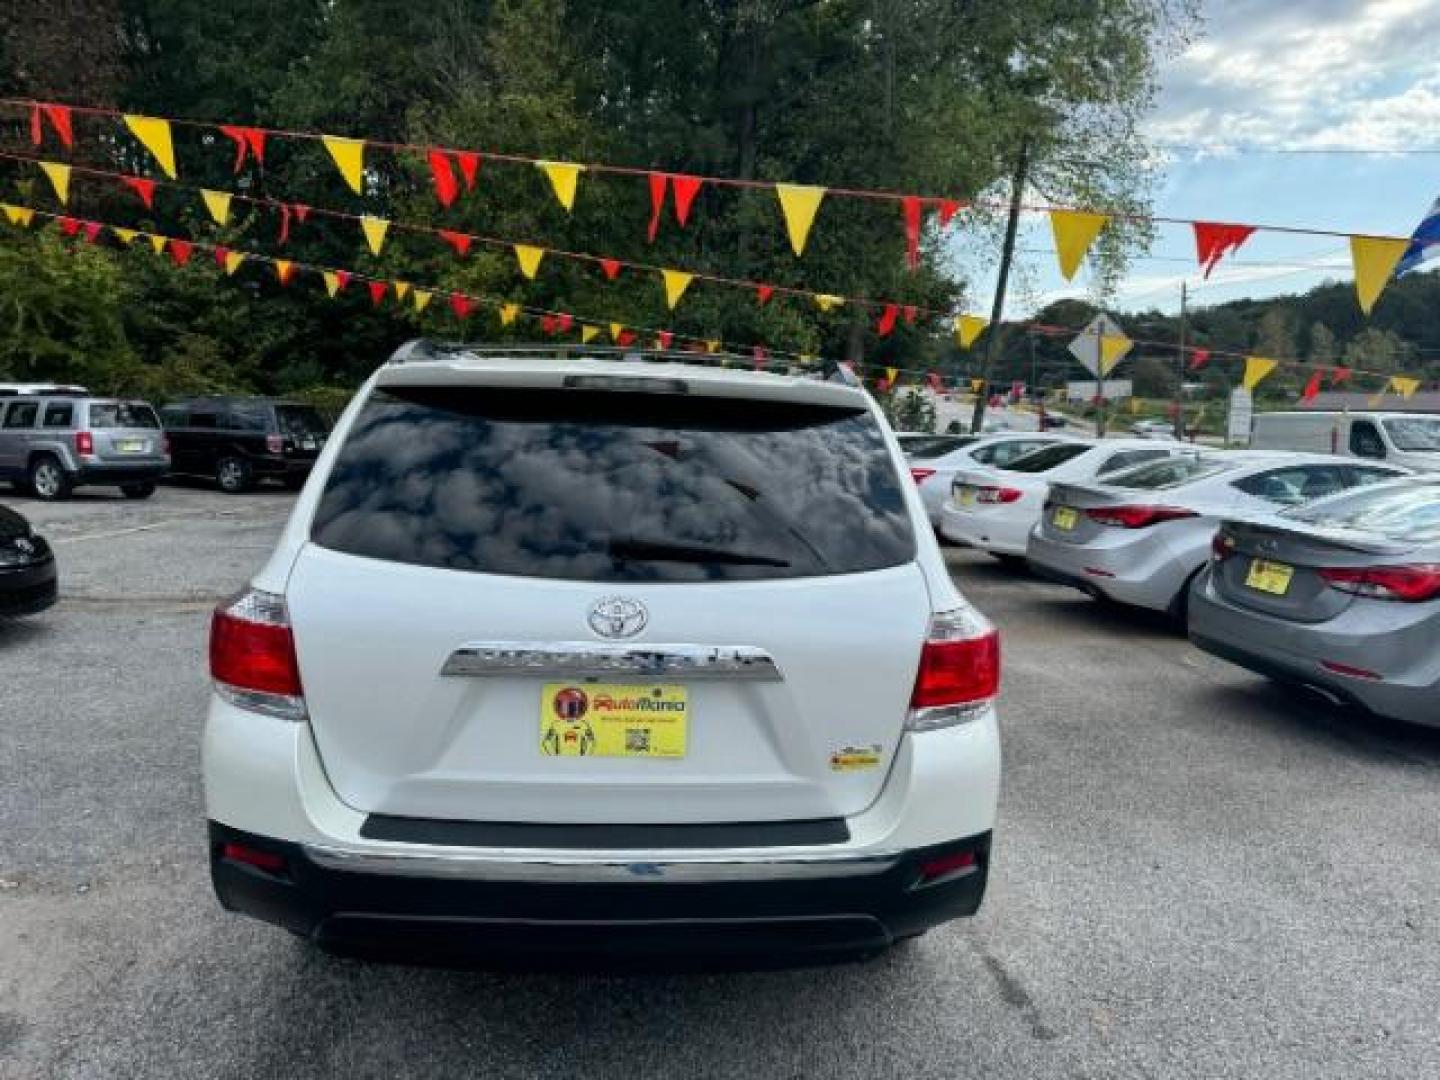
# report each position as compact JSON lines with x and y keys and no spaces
{"x":995,"y":508}
{"x":934,"y":468}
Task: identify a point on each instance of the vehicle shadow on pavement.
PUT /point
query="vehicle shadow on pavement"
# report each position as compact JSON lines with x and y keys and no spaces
{"x":18,"y":632}
{"x":200,"y":483}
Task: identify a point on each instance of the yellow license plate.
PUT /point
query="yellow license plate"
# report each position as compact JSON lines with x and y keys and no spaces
{"x":1064,"y":518}
{"x":967,"y":496}
{"x":1270,"y":577}
{"x":581,"y":719}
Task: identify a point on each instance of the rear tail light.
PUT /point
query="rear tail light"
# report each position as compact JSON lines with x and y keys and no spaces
{"x":959,"y":672}
{"x":919,"y":475}
{"x":1137,"y":517}
{"x":84,"y":443}
{"x":1222,"y":546}
{"x":165,"y":444}
{"x":998,"y":495}
{"x":1409,"y":584}
{"x":1349,"y":670}
{"x":252,"y":655}
{"x":275,"y":444}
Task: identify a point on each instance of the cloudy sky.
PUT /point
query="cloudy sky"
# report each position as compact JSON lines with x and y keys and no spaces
{"x":1311,"y":75}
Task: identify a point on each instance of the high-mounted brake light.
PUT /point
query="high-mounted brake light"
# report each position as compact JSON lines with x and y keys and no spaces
{"x":84,"y":443}
{"x":959,"y":672}
{"x":1408,"y":584}
{"x":919,"y":473}
{"x":1137,"y":517}
{"x":252,"y":655}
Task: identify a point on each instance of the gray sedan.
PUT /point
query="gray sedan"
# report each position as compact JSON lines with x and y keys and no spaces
{"x":1140,"y":537}
{"x":1342,"y":596}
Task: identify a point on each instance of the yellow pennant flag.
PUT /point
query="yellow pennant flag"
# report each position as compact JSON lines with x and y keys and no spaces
{"x":422,"y":299}
{"x":18,"y":215}
{"x":283,"y":269}
{"x":967,"y":329}
{"x":332,"y":283}
{"x":125,"y":236}
{"x":616,"y":329}
{"x":827,"y":302}
{"x":529,"y":259}
{"x":563,"y":178}
{"x":1374,"y":258}
{"x":509,"y":313}
{"x":233,"y":259}
{"x":218,"y":203}
{"x":676,"y":282}
{"x":157,"y":243}
{"x":154,"y":135}
{"x":374,"y":229}
{"x":1404,"y":385}
{"x":799,"y":202}
{"x":1256,"y":369}
{"x":1075,"y":231}
{"x":1112,"y":348}
{"x":402,"y":289}
{"x":713,"y":345}
{"x":588,"y":333}
{"x":59,"y":175}
{"x":891,"y":374}
{"x":349,"y":158}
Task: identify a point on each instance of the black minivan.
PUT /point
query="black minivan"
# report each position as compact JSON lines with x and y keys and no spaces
{"x":239,"y":441}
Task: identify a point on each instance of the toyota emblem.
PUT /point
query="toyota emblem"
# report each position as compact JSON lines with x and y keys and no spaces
{"x":618,"y":617}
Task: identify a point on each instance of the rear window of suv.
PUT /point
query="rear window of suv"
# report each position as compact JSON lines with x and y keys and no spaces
{"x":603,"y":486}
{"x":122,"y":414}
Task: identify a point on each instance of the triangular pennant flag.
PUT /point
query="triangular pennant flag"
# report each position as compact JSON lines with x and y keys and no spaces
{"x":891,"y":374}
{"x":611,"y":268}
{"x":154,"y":135}
{"x":910,"y":207}
{"x":1339,"y":375}
{"x":236,"y":134}
{"x":218,"y":203}
{"x":1213,"y":239}
{"x":827,"y":302}
{"x":713,"y":345}
{"x":664,"y":339}
{"x":402,"y":289}
{"x":1312,"y":388}
{"x":446,"y":186}
{"x":233,"y":261}
{"x":799,"y":203}
{"x":1112,"y":348}
{"x":616,"y":329}
{"x":686,"y":188}
{"x":349,"y":158}
{"x":127,"y":236}
{"x":284,"y":225}
{"x":457,"y":240}
{"x":1199,"y":358}
{"x":59,"y":175}
{"x":529,"y":259}
{"x":676,"y":282}
{"x":887,"y":320}
{"x":180,"y":251}
{"x":1374,"y":258}
{"x":301,"y":211}
{"x":547,"y":325}
{"x":658,"y":181}
{"x":157,"y":244}
{"x":1404,"y":385}
{"x":948,"y":209}
{"x":374,"y":229}
{"x":509,"y":313}
{"x":909,"y":311}
{"x":36,"y":132}
{"x":1256,"y":369}
{"x":68,"y":225}
{"x":59,"y":117}
{"x":763,"y":294}
{"x":461,"y":305}
{"x":422,"y":298}
{"x":284,"y":270}
{"x":92,"y":231}
{"x":588,"y":333}
{"x":333,"y":282}
{"x":563,"y":178}
{"x":378,"y":289}
{"x":564,"y":321}
{"x":626,"y":339}
{"x":18,"y":215}
{"x":967,"y":329}
{"x":143,"y":188}
{"x":469,"y":163}
{"x":1075,"y":231}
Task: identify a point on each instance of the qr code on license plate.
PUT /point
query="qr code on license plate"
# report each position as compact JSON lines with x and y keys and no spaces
{"x":637,"y":740}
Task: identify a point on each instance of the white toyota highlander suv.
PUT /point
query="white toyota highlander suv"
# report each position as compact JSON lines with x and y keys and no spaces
{"x":568,"y":654}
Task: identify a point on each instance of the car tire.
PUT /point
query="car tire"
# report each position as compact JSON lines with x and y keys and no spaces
{"x":234,"y":475}
{"x":48,"y":480}
{"x":141,"y":490}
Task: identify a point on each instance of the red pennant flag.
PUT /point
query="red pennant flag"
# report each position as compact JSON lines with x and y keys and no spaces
{"x":1312,"y":388}
{"x":92,"y":231}
{"x":301,"y":211}
{"x":378,"y":289}
{"x":547,"y":324}
{"x":611,"y":268}
{"x":462,"y":305}
{"x":469,"y":163}
{"x":665,"y":337}
{"x":1213,"y":240}
{"x":1339,"y":375}
{"x":36,"y":134}
{"x":247,"y":140}
{"x":936,"y":384}
{"x":221,"y":254}
{"x":284,"y":225}
{"x":1199,"y":358}
{"x":446,"y":186}
{"x":763,"y":293}
{"x":69,"y":225}
{"x":626,"y":339}
{"x":142,"y":187}
{"x":342,"y":278}
{"x":760,"y":356}
{"x":657,"y":201}
{"x":887,"y":320}
{"x":180,"y":251}
{"x":457,"y":240}
{"x":910,"y":311}
{"x":59,"y":117}
{"x":686,"y":188}
{"x":563,"y":322}
{"x":910,"y":205}
{"x":948,"y":209}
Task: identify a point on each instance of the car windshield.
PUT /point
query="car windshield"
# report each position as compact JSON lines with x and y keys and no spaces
{"x":1413,"y":433}
{"x":300,"y":420}
{"x":1399,"y":511}
{"x":122,"y":414}
{"x":601,"y":486}
{"x":1046,"y":459}
{"x":1171,"y":472}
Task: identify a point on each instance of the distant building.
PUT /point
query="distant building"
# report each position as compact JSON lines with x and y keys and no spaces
{"x":1425,"y":401}
{"x":1085,"y":390}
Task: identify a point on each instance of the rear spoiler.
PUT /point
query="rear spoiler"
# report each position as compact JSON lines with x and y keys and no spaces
{"x":1366,"y":543}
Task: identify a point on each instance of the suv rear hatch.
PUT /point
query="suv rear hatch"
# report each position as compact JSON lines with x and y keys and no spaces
{"x":578,"y":605}
{"x":125,"y":433}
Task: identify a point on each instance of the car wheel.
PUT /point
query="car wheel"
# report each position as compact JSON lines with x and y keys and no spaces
{"x":142,"y":490}
{"x":48,"y":481}
{"x":234,"y":475}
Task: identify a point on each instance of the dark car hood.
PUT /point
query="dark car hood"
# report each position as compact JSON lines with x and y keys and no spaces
{"x":12,"y":525}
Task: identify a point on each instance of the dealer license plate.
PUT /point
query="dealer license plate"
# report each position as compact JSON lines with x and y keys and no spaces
{"x":647,"y":720}
{"x":967,"y":496}
{"x":1269,"y":577}
{"x":132,"y":446}
{"x":1064,"y":518}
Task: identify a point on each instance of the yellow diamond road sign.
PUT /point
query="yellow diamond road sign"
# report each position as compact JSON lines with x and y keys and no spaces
{"x":1101,"y":345}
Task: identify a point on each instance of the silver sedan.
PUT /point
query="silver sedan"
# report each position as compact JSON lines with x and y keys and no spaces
{"x":1342,"y":596}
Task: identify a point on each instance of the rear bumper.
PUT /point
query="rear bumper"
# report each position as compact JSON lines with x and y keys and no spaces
{"x":27,"y":590}
{"x":121,"y":474}
{"x":988,"y":532}
{"x":478,"y":911}
{"x":1141,"y":574}
{"x":281,"y":468}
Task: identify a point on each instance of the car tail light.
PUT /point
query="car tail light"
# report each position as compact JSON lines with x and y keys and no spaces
{"x":1137,"y":517}
{"x":252,"y":655}
{"x":959,"y":670}
{"x":1349,"y":670}
{"x":919,"y":474}
{"x":84,"y":443}
{"x":998,"y":495}
{"x":165,"y":444}
{"x":275,"y":444}
{"x":1410,"y":584}
{"x":1222,"y":546}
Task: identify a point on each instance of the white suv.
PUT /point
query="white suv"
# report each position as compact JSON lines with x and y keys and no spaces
{"x":567,"y":654}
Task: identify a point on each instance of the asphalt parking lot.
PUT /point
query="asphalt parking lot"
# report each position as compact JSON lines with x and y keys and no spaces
{"x":1197,"y":874}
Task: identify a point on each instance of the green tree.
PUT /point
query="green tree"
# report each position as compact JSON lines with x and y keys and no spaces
{"x":911,"y":409}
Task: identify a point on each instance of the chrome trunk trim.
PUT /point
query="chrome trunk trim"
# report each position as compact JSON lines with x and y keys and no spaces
{"x":581,"y":659}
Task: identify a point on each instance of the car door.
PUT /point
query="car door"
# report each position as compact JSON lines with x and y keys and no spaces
{"x":204,"y":438}
{"x":16,"y":431}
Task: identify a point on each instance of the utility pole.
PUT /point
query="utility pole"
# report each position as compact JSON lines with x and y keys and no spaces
{"x":997,"y":308}
{"x":1180,"y":373}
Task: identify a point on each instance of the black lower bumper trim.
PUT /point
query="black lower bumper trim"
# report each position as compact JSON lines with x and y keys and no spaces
{"x":119,"y":474}
{"x":30,"y":589}
{"x":646,"y":922}
{"x":512,"y":834}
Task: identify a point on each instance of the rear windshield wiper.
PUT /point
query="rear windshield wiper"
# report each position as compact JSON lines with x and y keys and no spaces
{"x":635,"y":550}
